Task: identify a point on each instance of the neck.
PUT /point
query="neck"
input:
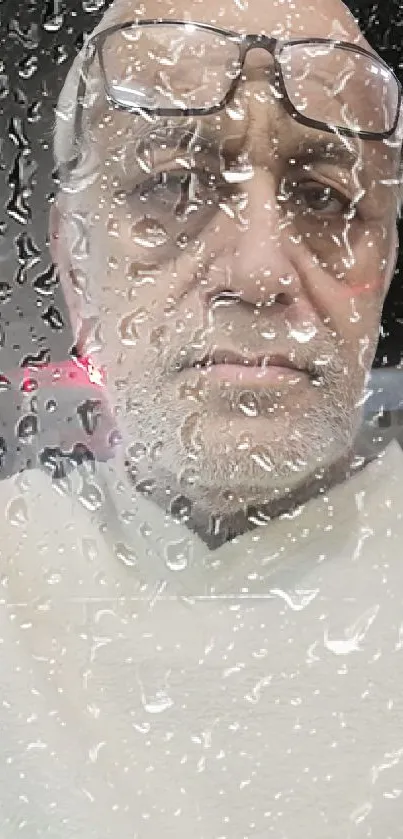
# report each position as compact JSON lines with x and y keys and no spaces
{"x":216,"y":529}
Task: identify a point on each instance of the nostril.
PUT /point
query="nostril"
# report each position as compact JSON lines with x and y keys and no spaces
{"x":283,"y":298}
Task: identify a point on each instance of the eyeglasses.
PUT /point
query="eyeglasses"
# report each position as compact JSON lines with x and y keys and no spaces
{"x":174,"y":68}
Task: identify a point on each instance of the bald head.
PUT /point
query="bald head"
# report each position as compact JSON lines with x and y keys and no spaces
{"x":319,"y":18}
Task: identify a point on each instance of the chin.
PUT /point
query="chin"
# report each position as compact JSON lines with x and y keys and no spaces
{"x":276,"y":460}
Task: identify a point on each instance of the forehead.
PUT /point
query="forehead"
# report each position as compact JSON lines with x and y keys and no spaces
{"x":326,"y":18}
{"x":281,"y":18}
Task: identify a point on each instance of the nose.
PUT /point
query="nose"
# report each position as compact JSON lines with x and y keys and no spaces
{"x":258,"y":259}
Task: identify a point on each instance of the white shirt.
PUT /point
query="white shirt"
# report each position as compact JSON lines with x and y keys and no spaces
{"x":153,"y":688}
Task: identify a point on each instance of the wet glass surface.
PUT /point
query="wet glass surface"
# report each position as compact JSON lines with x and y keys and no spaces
{"x":201,"y":424}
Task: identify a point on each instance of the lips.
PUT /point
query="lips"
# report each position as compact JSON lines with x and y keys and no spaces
{"x":224,"y":356}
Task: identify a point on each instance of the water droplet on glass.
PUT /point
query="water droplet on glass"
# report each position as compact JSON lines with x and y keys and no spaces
{"x":144,"y":156}
{"x":125,"y":554}
{"x":28,"y":66}
{"x":91,"y":496}
{"x":90,"y":6}
{"x":248,"y":404}
{"x":4,"y":86}
{"x":142,"y":273}
{"x":127,"y":330}
{"x":180,"y":508}
{"x":16,"y":511}
{"x":5,"y":292}
{"x":89,"y":548}
{"x":304,"y":334}
{"x":268,"y":334}
{"x":52,"y":21}
{"x":149,"y":233}
{"x":177,"y":554}
{"x":53,"y":318}
{"x":354,"y":635}
{"x":157,"y":703}
{"x":112,"y":227}
{"x":90,"y":414}
{"x":157,"y":337}
{"x":27,"y":428}
{"x":45,"y":283}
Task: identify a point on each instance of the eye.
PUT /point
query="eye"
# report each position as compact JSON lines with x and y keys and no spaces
{"x":319,"y":199}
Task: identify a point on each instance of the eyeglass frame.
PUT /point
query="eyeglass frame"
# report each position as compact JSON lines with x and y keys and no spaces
{"x":245,"y":43}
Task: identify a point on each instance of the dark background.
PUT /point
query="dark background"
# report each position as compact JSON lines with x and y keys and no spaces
{"x":38,"y":41}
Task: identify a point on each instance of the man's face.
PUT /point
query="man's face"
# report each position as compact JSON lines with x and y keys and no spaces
{"x":221,"y":249}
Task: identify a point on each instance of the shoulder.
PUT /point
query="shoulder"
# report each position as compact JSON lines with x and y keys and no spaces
{"x":39,"y":514}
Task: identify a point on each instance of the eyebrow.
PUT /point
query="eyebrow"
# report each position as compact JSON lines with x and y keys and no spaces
{"x":322,"y":150}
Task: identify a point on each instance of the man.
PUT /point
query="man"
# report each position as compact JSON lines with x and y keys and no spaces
{"x":202,"y":634}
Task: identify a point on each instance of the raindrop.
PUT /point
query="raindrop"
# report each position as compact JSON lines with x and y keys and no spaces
{"x":5,"y":292}
{"x":149,"y":233}
{"x":29,"y":385}
{"x":142,"y":273}
{"x":136,"y":452}
{"x":53,"y":318}
{"x":112,"y":227}
{"x":34,"y":112}
{"x":353,"y":635}
{"x":46,"y":282}
{"x":248,"y":403}
{"x":28,"y":66}
{"x":60,"y":54}
{"x":157,"y":703}
{"x":2,"y":336}
{"x":157,"y":337}
{"x":5,"y":383}
{"x":125,"y":554}
{"x":16,"y":511}
{"x":144,"y":157}
{"x":182,"y":240}
{"x":305,"y":334}
{"x":90,"y":6}
{"x":27,"y":428}
{"x":155,"y":451}
{"x":4,"y":86}
{"x":181,"y":508}
{"x":235,"y":110}
{"x":127,"y":330}
{"x":80,"y":283}
{"x":80,"y":246}
{"x":52,"y":20}
{"x":53,"y":578}
{"x":90,"y":413}
{"x":3,"y":451}
{"x":89,"y":548}
{"x":17,"y":134}
{"x":268,"y":334}
{"x":20,"y":178}
{"x":38,"y":360}
{"x":146,"y":487}
{"x":51,"y":406}
{"x":28,"y":36}
{"x":28,"y":252}
{"x":91,"y":496}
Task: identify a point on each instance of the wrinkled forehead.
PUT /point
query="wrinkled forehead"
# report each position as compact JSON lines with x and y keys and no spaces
{"x":130,"y":59}
{"x":280,"y":18}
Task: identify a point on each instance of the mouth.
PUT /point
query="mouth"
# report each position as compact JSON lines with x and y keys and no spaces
{"x":229,"y":367}
{"x":223,"y":357}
